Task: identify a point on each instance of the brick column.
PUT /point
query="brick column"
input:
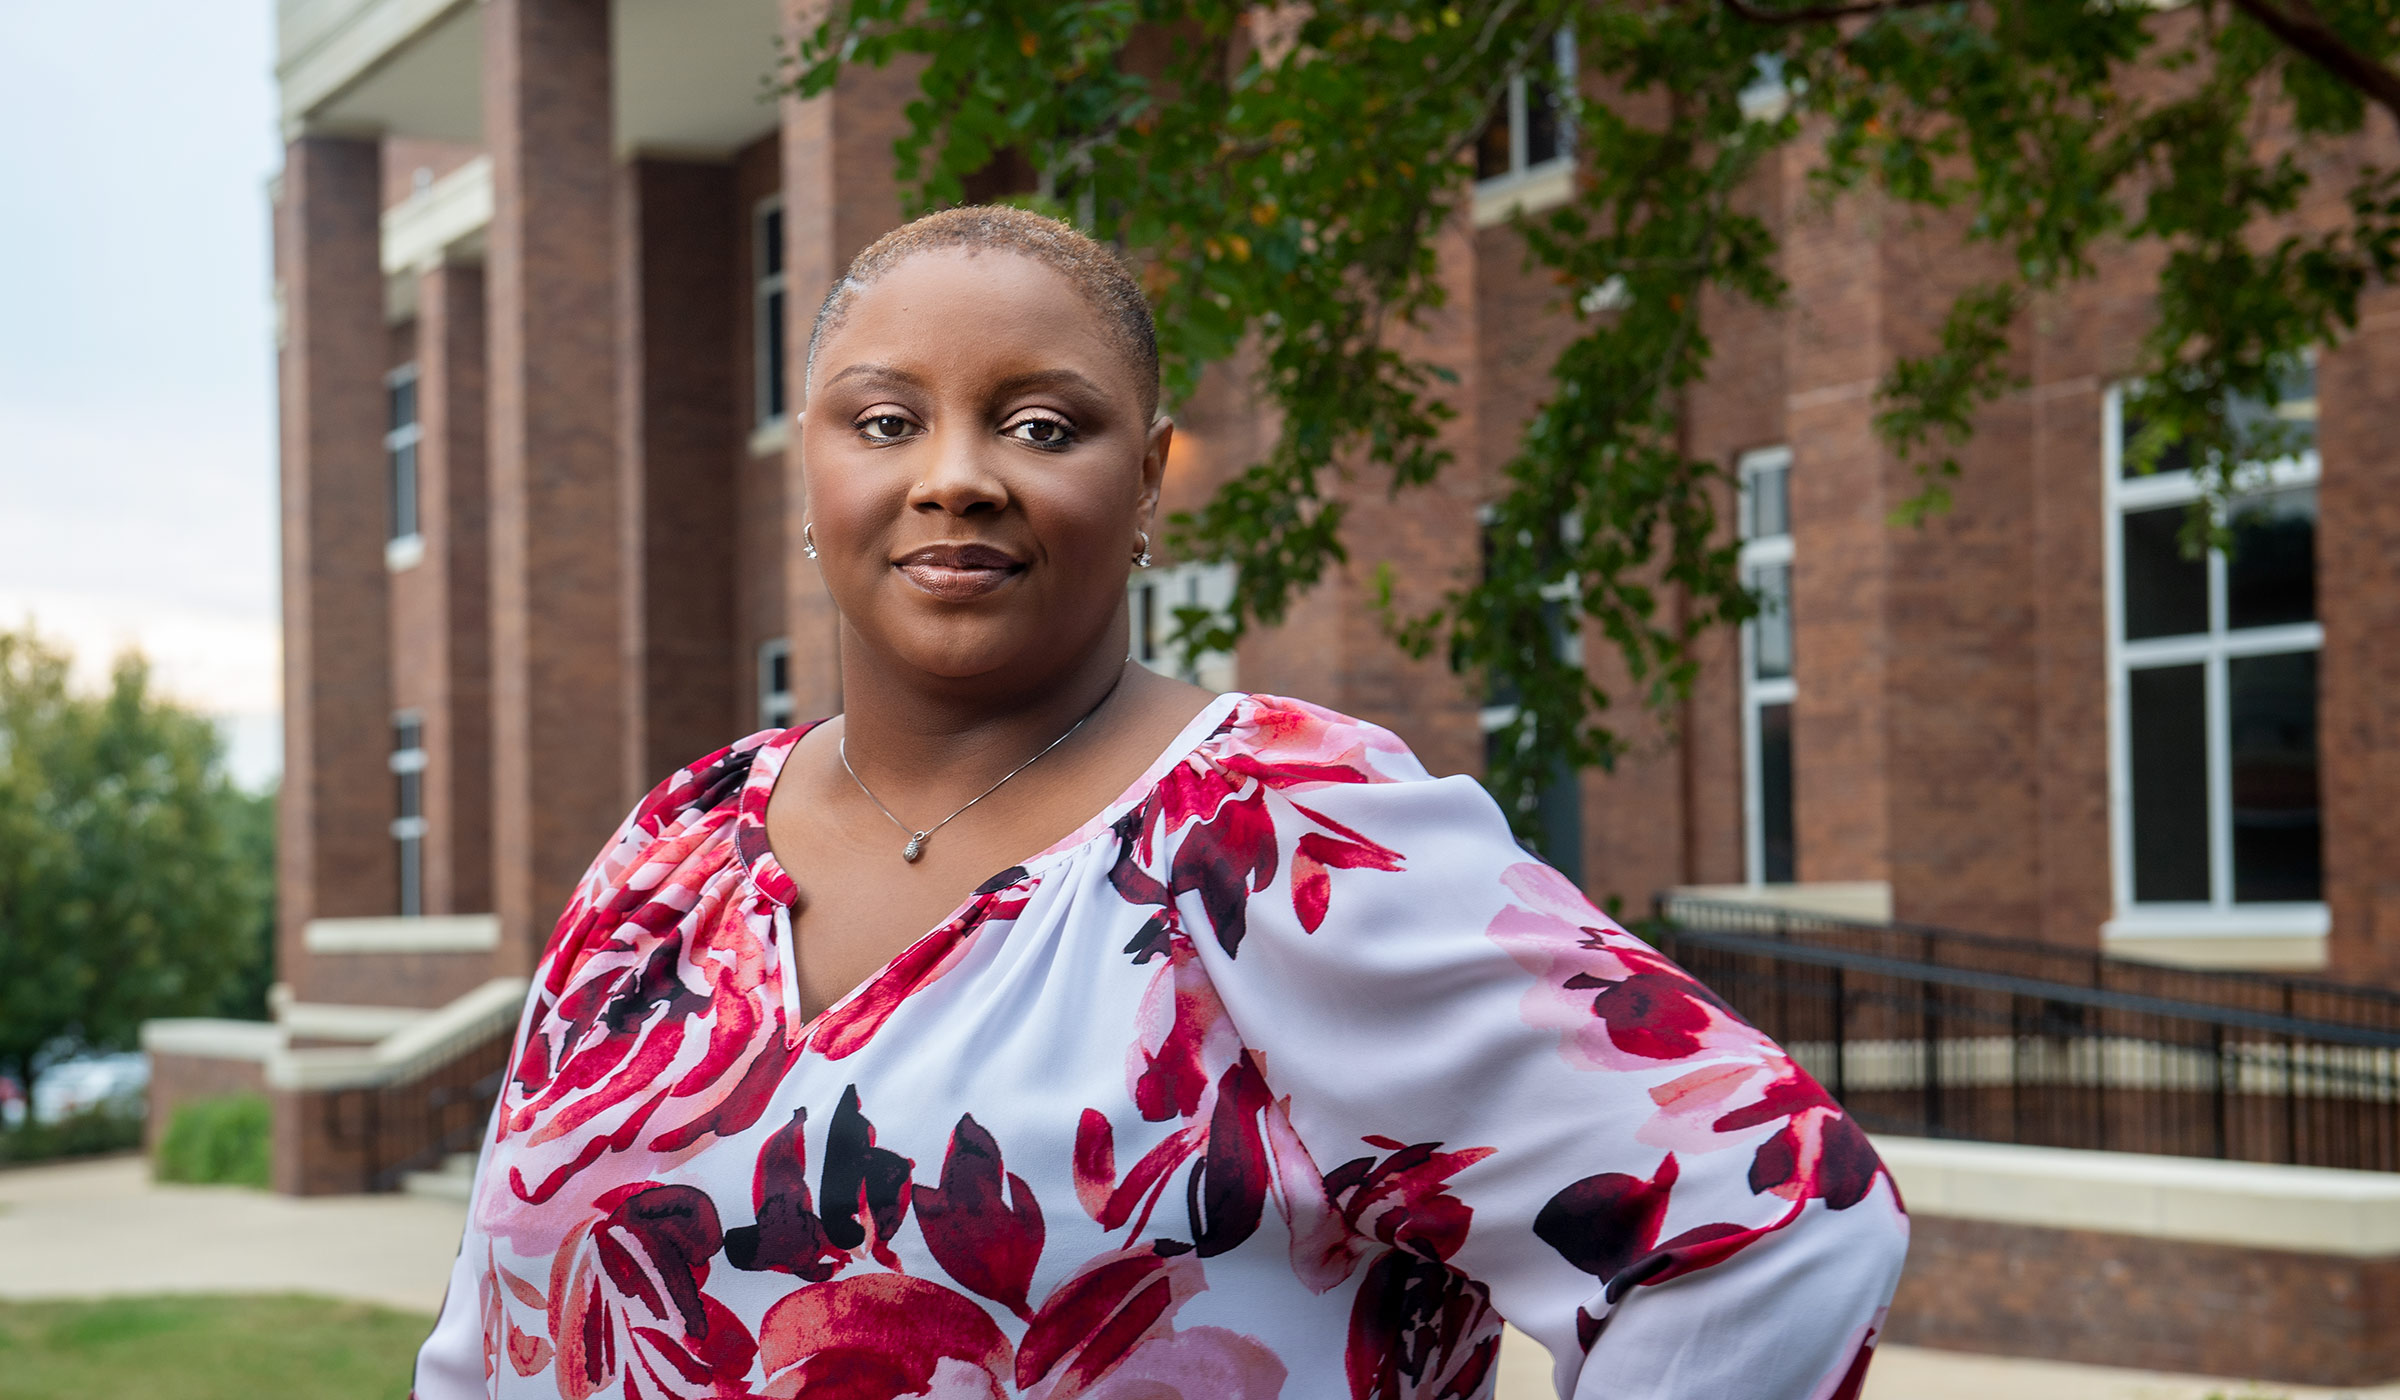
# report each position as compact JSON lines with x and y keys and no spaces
{"x":680,"y":252}
{"x":454,"y":500}
{"x":557,"y":721}
{"x":335,"y":849}
{"x":2358,"y":598}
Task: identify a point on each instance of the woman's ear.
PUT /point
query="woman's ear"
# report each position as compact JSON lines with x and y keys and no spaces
{"x":1154,"y":464}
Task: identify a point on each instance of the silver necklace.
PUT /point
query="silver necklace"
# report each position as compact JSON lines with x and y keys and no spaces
{"x":917,"y":839}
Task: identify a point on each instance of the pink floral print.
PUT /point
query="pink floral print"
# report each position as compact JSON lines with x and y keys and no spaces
{"x":1288,"y":1075}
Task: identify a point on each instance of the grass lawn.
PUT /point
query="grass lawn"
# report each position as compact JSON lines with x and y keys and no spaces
{"x":206,"y":1348}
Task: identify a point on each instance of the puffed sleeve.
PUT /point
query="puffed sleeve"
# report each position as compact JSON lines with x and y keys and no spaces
{"x":1513,"y":1103}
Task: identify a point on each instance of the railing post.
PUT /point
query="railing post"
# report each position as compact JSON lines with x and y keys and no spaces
{"x":2217,"y":1044}
{"x":1841,"y":1040}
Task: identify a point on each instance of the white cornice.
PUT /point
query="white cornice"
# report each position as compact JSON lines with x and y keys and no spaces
{"x":325,"y":46}
{"x":454,"y":933}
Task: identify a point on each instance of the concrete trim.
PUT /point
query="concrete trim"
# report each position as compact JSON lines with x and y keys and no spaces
{"x":2286,"y":937}
{"x":212,"y":1038}
{"x":2304,"y":1210}
{"x":1867,"y":901}
{"x":325,"y":1020}
{"x":1501,"y":199}
{"x":446,"y":933}
{"x":421,"y":230}
{"x":324,"y":46}
{"x":408,"y":1051}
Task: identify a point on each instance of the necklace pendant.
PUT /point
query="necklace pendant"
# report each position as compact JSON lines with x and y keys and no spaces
{"x":915,"y":847}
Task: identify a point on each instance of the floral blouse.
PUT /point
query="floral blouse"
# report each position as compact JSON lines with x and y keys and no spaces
{"x":1287,"y":1075}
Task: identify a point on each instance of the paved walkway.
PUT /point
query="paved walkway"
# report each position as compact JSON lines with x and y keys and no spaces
{"x":97,"y":1228}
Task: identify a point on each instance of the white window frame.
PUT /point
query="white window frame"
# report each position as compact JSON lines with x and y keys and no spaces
{"x":1155,"y":593}
{"x":1531,"y":186}
{"x":1760,"y":553}
{"x":768,"y":412}
{"x":408,"y":828}
{"x":403,"y":549}
{"x":2219,"y":915}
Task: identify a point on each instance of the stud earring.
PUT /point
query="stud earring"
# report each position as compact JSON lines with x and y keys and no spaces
{"x":1141,"y":552}
{"x":808,"y":539}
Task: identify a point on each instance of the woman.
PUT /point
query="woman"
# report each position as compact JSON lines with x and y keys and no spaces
{"x":1267,"y":1065}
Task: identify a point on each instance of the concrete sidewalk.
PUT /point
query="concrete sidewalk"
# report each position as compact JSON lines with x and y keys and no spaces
{"x":91,"y":1229}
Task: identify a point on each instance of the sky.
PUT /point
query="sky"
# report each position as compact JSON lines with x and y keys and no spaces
{"x":137,"y":408}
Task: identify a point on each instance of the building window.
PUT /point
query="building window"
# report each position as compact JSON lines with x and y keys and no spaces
{"x":1770,"y":847}
{"x":400,"y":440}
{"x":767,"y":312}
{"x":1154,"y":597}
{"x":1528,"y":134}
{"x":2213,"y":685}
{"x":775,"y":684}
{"x":408,"y":828}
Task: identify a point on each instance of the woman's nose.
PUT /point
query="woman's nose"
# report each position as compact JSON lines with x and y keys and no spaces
{"x":960,"y":480}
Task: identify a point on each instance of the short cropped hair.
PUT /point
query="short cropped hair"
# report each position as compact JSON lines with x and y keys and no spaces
{"x":1095,"y":270}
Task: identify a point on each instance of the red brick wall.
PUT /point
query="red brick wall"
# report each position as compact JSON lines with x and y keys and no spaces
{"x":455,"y":504}
{"x":2156,"y":1304}
{"x":176,"y":1080}
{"x":391,"y":979}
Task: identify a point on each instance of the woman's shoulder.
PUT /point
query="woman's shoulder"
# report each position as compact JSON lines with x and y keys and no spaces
{"x":1286,"y":742}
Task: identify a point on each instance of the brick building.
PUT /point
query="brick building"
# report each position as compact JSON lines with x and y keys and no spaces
{"x":541,"y":264}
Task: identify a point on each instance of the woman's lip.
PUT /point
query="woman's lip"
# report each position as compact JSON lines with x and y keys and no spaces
{"x":954,"y":583}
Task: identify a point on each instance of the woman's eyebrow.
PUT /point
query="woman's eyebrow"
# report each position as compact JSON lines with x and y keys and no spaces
{"x":1048,"y":379}
{"x":890,"y":373}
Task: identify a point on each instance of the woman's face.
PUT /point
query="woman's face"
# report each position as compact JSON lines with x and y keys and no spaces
{"x":978,"y":465}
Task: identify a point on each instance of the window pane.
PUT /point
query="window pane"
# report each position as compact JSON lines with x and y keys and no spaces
{"x":1541,"y":122}
{"x":2278,"y":830}
{"x":2167,"y":732}
{"x":772,"y":391}
{"x":1778,"y":854}
{"x":412,"y":876}
{"x":2166,"y":594}
{"x":412,"y":794}
{"x":404,"y":490}
{"x":770,"y":243}
{"x":1767,"y":505}
{"x":1771,"y":633}
{"x":403,"y":401}
{"x":1491,"y":149}
{"x":2271,"y":574}
{"x":1562,"y":823}
{"x":2177,"y":458}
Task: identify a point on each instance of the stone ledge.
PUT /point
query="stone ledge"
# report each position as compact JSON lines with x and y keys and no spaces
{"x":454,"y":933}
{"x":2305,"y":1210}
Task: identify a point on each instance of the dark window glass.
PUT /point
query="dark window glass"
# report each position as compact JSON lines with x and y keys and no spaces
{"x":2177,"y":458}
{"x":2166,"y":594}
{"x":1562,"y":823}
{"x":2271,"y":573}
{"x":403,"y":460}
{"x":1766,"y":506}
{"x":779,"y":673}
{"x":2167,"y":732}
{"x":770,"y":243}
{"x":412,"y":876}
{"x":1778,"y":853}
{"x":1492,"y":148}
{"x":2278,"y":829}
{"x":1541,"y":122}
{"x":403,"y":402}
{"x":771,"y":337}
{"x":1771,"y":647}
{"x":1145,"y":622}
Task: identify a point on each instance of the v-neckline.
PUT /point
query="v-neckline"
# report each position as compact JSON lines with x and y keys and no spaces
{"x":767,"y":875}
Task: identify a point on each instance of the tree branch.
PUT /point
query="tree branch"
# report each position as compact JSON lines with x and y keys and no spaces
{"x":2302,"y":30}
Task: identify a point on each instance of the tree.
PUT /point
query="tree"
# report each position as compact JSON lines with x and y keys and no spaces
{"x":1282,"y":175}
{"x":131,"y":879}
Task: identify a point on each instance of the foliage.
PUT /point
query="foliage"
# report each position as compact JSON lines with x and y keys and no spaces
{"x":131,"y":878}
{"x":205,"y":1348}
{"x":102,"y":1128}
{"x":1284,"y":173}
{"x":217,"y":1141}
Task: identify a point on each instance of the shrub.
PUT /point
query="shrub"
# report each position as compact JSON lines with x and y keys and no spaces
{"x":103,"y":1128}
{"x":216,"y":1141}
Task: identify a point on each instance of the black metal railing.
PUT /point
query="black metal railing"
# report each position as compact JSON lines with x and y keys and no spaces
{"x":2299,"y":998}
{"x":1935,"y":1049}
{"x":412,"y":1124}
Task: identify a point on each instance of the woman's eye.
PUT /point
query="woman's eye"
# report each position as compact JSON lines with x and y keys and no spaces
{"x":884,"y":427}
{"x":1041,"y":432}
